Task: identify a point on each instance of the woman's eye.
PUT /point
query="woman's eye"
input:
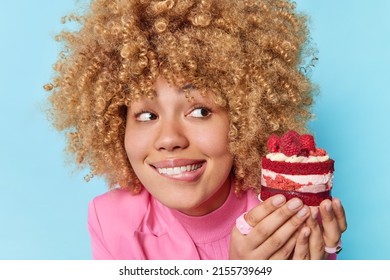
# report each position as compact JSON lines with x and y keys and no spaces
{"x":146,"y":116}
{"x":200,"y":113}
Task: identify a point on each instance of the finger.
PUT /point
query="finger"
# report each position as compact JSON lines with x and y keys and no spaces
{"x":332,"y":232}
{"x":302,"y":247}
{"x":255,"y":215}
{"x":276,"y":229}
{"x":287,"y":250}
{"x":316,"y":241}
{"x":339,"y":212}
{"x":239,"y":248}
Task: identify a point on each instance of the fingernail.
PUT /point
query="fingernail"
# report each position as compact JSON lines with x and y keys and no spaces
{"x":337,"y":202}
{"x":306,"y":232}
{"x":294,"y":203}
{"x":328,"y":206}
{"x":302,"y":213}
{"x":314,"y":212}
{"x":278,"y":200}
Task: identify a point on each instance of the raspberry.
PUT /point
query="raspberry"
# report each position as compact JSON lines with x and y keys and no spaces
{"x":294,"y":133}
{"x":290,"y":144}
{"x":319,"y":152}
{"x":304,"y":153}
{"x":307,"y":142}
{"x":273,"y":143}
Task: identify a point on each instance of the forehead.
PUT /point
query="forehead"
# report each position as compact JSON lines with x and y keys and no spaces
{"x":190,"y":87}
{"x":164,"y":89}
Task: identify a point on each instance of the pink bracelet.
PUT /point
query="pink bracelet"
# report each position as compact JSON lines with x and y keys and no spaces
{"x":242,"y":226}
{"x":332,"y":250}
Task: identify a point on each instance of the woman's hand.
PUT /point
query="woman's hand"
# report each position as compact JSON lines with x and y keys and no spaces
{"x":327,"y":223}
{"x":278,"y":228}
{"x":289,"y":230}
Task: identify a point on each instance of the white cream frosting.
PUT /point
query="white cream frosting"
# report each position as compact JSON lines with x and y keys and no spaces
{"x":294,"y":158}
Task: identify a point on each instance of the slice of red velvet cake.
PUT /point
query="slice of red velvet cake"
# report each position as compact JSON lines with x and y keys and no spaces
{"x":295,"y":167}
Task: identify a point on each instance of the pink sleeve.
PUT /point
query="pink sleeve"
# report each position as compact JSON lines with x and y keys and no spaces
{"x":99,"y":247}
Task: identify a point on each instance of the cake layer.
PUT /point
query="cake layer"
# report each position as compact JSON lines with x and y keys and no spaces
{"x":307,"y":183}
{"x":310,"y":199}
{"x":294,"y":168}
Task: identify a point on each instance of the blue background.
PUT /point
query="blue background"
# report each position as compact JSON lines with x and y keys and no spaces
{"x":43,"y":199}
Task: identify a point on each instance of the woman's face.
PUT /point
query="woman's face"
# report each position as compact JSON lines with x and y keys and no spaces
{"x":178,"y":149}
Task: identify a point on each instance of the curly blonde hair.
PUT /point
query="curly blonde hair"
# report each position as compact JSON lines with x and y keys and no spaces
{"x":246,"y":53}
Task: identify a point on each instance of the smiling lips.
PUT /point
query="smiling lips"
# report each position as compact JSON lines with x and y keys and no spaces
{"x":185,"y":170}
{"x":180,"y":169}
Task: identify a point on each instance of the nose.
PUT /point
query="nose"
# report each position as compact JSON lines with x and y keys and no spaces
{"x":171,"y":137}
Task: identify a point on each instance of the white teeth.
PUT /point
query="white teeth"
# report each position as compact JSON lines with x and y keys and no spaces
{"x":179,"y":169}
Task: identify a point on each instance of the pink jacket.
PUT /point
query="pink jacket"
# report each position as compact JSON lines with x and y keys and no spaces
{"x":126,"y":226}
{"x":138,"y":227}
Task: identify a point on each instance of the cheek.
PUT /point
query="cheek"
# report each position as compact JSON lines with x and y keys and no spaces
{"x":214,"y":141}
{"x":135,"y":145}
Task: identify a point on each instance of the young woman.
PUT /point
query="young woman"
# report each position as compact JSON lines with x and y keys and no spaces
{"x":172,"y":102}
